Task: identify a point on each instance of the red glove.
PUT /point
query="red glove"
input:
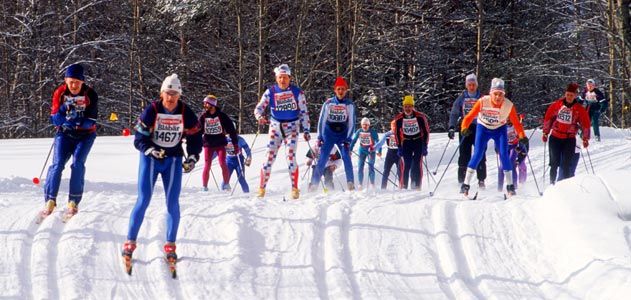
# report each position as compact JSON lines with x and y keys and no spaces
{"x":544,"y":137}
{"x":585,"y":143}
{"x":263,"y":121}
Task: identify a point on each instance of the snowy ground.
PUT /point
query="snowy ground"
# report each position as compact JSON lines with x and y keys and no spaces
{"x":574,"y":242}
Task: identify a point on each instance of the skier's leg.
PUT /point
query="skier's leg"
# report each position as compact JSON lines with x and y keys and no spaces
{"x":292,"y":129}
{"x":567,"y":153}
{"x":348,"y":162}
{"x":147,"y":174}
{"x":501,"y":139}
{"x":207,"y":164}
{"x":464,"y":152}
{"x":221,"y":158}
{"x":554,"y":144}
{"x":482,"y":136}
{"x":595,"y":119}
{"x":272,"y":150}
{"x":64,"y":146}
{"x":575,"y":158}
{"x":408,"y":152}
{"x":241,"y":174}
{"x":371,"y":167}
{"x":77,"y":174}
{"x":328,"y":177}
{"x":172,"y":181}
{"x":415,"y":168}
{"x":360,"y":167}
{"x":387,"y":166}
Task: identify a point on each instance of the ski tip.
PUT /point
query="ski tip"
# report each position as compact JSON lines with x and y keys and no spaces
{"x":475,"y":197}
{"x":434,"y":173}
{"x":431,"y":194}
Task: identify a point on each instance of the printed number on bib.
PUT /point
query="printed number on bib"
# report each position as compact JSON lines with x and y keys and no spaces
{"x":565,"y":115}
{"x":468,"y":104}
{"x":365,"y":139}
{"x":490,"y":115}
{"x":392,"y":143}
{"x":79,"y":102}
{"x":213,"y":126}
{"x":285,"y":101}
{"x":410,"y":127}
{"x":230,"y":149}
{"x":337,"y":113}
{"x":168,"y":130}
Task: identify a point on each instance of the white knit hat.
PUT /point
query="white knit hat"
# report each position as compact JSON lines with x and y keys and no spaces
{"x":471,"y":78}
{"x":282,"y":69}
{"x":497,"y":84}
{"x":365,"y":121}
{"x":171,"y":83}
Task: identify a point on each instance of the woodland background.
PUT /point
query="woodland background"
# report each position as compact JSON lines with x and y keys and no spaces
{"x":386,"y":49}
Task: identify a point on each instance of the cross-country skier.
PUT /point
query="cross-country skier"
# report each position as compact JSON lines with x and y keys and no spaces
{"x":368,"y":138}
{"x":161,"y":128}
{"x":562,"y":121}
{"x":236,"y":161}
{"x":74,"y":113}
{"x":392,"y":157}
{"x":333,"y":162}
{"x":289,"y":116}
{"x":517,"y":154}
{"x":596,"y":103}
{"x":461,"y":107}
{"x":573,"y":160}
{"x":335,"y":128}
{"x":216,"y":125}
{"x":492,"y":111}
{"x":412,"y":135}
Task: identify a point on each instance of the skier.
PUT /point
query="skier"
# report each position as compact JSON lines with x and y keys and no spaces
{"x":412,"y":134}
{"x":161,"y":128}
{"x":573,"y":160}
{"x":392,"y":157}
{"x":332,"y":163}
{"x":492,"y":111}
{"x":562,"y":122}
{"x":335,"y":128}
{"x":367,"y":137}
{"x":216,"y":124}
{"x":517,"y":154}
{"x":236,"y":161}
{"x":74,"y":112}
{"x":289,"y":115}
{"x":596,"y":103}
{"x":461,"y":107}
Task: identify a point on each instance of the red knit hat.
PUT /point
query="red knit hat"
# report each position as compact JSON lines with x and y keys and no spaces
{"x":572,"y":88}
{"x":339,"y":81}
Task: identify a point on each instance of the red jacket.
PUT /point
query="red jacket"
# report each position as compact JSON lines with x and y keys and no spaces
{"x":564,"y":120}
{"x":421,"y":127}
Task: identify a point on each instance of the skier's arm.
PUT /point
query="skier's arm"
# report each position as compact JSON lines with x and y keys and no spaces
{"x":375,"y":137}
{"x":515,"y":120}
{"x":304,"y":113}
{"x":226,"y":123}
{"x":466,"y":121}
{"x":91,"y":113}
{"x":192,"y":133}
{"x":355,"y":136}
{"x":244,"y":145}
{"x":383,"y":139}
{"x":259,"y":110}
{"x":322,"y":121}
{"x":144,"y":129}
{"x":548,"y":119}
{"x":424,"y":124}
{"x":456,"y":112}
{"x":395,"y":131}
{"x":351,"y":121}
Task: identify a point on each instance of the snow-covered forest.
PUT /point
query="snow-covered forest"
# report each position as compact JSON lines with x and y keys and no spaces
{"x":385,"y":48}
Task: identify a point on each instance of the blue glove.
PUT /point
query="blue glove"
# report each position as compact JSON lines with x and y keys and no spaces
{"x":71,"y":114}
{"x":66,"y":128}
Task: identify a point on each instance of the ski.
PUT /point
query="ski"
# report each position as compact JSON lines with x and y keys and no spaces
{"x":467,"y":197}
{"x":127,"y":264}
{"x":68,"y":214}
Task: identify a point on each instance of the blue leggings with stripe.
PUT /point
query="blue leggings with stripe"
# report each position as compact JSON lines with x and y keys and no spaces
{"x":482,"y":137}
{"x":170,"y":170}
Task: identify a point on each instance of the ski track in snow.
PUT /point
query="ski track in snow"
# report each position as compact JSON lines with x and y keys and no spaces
{"x":335,"y":245}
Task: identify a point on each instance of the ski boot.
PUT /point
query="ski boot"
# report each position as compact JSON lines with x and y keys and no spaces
{"x":464,"y":189}
{"x":49,"y":207}
{"x":225,"y":187}
{"x":295,"y":193}
{"x":510,"y":190}
{"x":71,"y":210}
{"x":205,"y":189}
{"x":171,"y":257}
{"x":261,"y":192}
{"x":481,"y":185}
{"x":351,"y":186}
{"x":128,"y":250}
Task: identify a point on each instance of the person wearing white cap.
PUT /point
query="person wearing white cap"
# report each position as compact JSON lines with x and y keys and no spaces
{"x":492,"y":112}
{"x":596,"y":103}
{"x":162,"y":126}
{"x":460,"y":108}
{"x":288,"y":117}
{"x":368,"y":138}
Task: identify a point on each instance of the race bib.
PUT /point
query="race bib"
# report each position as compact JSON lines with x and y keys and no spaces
{"x":490,"y":116}
{"x":230,"y":149}
{"x":590,"y":97}
{"x":468,"y":104}
{"x":79,"y":102}
{"x":564,"y":116}
{"x":365,"y":139}
{"x":410,"y":127}
{"x":213,"y":126}
{"x":168,"y":130}
{"x":284,"y":101}
{"x":392,"y":143}
{"x":337,"y":114}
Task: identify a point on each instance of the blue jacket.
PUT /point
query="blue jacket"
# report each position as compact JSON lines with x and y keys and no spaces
{"x":461,"y":107}
{"x":374,"y":139}
{"x":243,"y":146}
{"x":338,"y":116}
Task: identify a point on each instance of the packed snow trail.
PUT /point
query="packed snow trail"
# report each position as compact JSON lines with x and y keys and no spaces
{"x":574,"y":242}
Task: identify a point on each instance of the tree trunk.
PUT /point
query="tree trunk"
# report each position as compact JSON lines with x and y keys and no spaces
{"x":612,"y":55}
{"x":240,"y":63}
{"x":259,"y":86}
{"x":338,"y":42}
{"x":478,"y":53}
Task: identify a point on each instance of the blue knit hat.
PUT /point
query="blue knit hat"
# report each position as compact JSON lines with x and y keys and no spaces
{"x":75,"y":71}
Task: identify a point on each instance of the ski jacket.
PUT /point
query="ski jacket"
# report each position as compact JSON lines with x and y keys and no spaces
{"x":339,"y":116}
{"x":367,"y":140}
{"x":243,"y":146}
{"x":388,"y":139}
{"x":77,"y":113}
{"x":594,"y":101}
{"x":161,"y":129}
{"x":493,"y":117}
{"x":285,"y":105}
{"x":563,"y":120}
{"x":411,"y":127}
{"x":462,"y":106}
{"x":214,"y":128}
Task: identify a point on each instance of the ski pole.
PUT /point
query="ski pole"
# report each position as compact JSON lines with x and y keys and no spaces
{"x":215,"y":180}
{"x":584,"y":162}
{"x":590,"y":160}
{"x":373,"y":166}
{"x":441,"y":156}
{"x":533,"y":175}
{"x":543,"y":176}
{"x":36,"y":180}
{"x":445,"y":171}
{"x":427,"y":168}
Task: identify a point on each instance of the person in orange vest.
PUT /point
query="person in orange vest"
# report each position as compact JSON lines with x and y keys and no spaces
{"x":493,"y":112}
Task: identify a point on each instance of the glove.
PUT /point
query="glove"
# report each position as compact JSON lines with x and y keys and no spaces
{"x":400,"y":152}
{"x":544,"y":137}
{"x":320,"y":143}
{"x":379,"y":154}
{"x":262,"y":121}
{"x":248,"y":161}
{"x":585,"y":143}
{"x":157,"y":154}
{"x":465,"y":132}
{"x":306,"y":136}
{"x":521,"y":155}
{"x":371,"y":148}
{"x":524,"y":143}
{"x":71,"y":114}
{"x":309,"y":162}
{"x":189,"y":164}
{"x":451,"y":134}
{"x":347,"y":146}
{"x":66,"y":128}
{"x":424,"y":150}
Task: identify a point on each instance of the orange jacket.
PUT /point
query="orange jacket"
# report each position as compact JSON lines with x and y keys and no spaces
{"x":512,"y":116}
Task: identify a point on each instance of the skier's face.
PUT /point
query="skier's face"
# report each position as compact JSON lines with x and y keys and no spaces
{"x":497,"y":96}
{"x":340,"y":92}
{"x":74,"y":85}
{"x":365,"y":126}
{"x":569,"y":96}
{"x":590,"y":86}
{"x":407,"y":109}
{"x":471,"y":86}
{"x":169,"y":99}
{"x":283,"y":81}
{"x":211,"y":109}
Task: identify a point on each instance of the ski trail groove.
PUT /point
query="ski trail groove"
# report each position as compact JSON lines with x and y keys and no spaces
{"x":44,"y":268}
{"x":347,"y":257}
{"x":318,"y":252}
